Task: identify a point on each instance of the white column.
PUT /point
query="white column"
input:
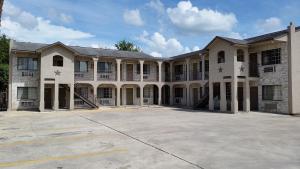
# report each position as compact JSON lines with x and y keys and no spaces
{"x":71,"y":96}
{"x":118,"y":96}
{"x":159,"y":71}
{"x":56,"y":93}
{"x":211,"y":96}
{"x":42,"y":102}
{"x":95,"y":87}
{"x":141,"y":70}
{"x":159,"y":95}
{"x":187,"y":69}
{"x":234,"y":97}
{"x":247,"y":95}
{"x":118,"y":69}
{"x":141,"y":95}
{"x":95,"y":68}
{"x":223,"y":96}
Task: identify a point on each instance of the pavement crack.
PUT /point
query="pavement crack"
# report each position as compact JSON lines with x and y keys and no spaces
{"x":143,"y":142}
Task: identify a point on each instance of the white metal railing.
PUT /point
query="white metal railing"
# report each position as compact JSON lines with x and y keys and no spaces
{"x":106,"y":101}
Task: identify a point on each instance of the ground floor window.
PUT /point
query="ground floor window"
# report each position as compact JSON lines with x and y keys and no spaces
{"x":271,"y":92}
{"x":105,"y":93}
{"x":147,"y":92}
{"x":27,"y":93}
{"x":178,"y":92}
{"x":82,"y":91}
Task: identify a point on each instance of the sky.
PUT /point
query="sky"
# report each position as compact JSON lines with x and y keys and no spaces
{"x":161,"y":28}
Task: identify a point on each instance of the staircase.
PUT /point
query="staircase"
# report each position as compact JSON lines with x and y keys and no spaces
{"x":203,"y":102}
{"x":86,"y":100}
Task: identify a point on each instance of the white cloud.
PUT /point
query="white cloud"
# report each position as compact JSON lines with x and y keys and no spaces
{"x":192,"y":19}
{"x":157,"y":5}
{"x":269,"y":25}
{"x":62,"y":17}
{"x":65,"y":18}
{"x":133,"y":17}
{"x":158,"y":45}
{"x":234,"y":35}
{"x":103,"y":46}
{"x":24,"y":26}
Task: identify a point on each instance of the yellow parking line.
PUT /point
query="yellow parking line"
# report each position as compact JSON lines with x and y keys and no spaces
{"x":60,"y":158}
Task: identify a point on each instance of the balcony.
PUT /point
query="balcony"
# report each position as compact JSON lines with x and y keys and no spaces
{"x":84,"y":76}
{"x":106,"y":76}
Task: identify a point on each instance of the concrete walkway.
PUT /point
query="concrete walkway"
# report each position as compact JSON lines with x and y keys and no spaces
{"x":148,"y":137}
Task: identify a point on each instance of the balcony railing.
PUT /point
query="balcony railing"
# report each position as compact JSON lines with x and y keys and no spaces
{"x":106,"y":101}
{"x":109,"y":76}
{"x":180,"y":77}
{"x":84,"y":76}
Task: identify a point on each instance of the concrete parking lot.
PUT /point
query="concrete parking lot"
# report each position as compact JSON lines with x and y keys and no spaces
{"x":149,"y":137}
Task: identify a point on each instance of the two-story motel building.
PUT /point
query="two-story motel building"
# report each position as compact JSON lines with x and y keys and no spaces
{"x":228,"y":75}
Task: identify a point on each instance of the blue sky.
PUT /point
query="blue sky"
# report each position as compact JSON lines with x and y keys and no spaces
{"x":159,"y":27}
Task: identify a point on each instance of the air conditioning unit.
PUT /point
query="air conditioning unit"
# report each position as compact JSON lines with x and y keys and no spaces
{"x":27,"y":104}
{"x":269,"y":69}
{"x":104,"y":76}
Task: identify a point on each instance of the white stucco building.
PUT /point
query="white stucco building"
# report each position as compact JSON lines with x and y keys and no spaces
{"x":255,"y":74}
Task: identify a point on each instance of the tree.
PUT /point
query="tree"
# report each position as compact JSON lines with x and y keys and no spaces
{"x":127,"y":46}
{"x":4,"y":49}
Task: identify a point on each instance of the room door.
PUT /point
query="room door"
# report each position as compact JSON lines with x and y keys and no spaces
{"x":129,"y":74}
{"x":240,"y":98}
{"x":254,"y":98}
{"x":129,"y":96}
{"x":195,"y":96}
{"x":48,"y":98}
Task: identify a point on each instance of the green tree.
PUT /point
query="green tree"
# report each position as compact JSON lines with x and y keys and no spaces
{"x":127,"y":46}
{"x":4,"y":49}
{"x":3,"y":77}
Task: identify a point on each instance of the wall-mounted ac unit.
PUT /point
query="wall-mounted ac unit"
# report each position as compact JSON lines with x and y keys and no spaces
{"x":269,"y":69}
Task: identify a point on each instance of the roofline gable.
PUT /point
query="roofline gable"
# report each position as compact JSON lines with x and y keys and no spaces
{"x":57,"y":44}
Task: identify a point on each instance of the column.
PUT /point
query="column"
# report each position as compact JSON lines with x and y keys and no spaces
{"x":159,"y":71}
{"x":118,"y":96}
{"x":71,"y":96}
{"x":203,"y":67}
{"x":118,"y":69}
{"x":141,"y":70}
{"x":95,"y":93}
{"x":247,"y":95}
{"x":187,"y":69}
{"x":42,"y":102}
{"x":141,"y":95}
{"x":234,"y":98}
{"x":211,"y":96}
{"x":95,"y":68}
{"x":223,"y":104}
{"x":171,"y":71}
{"x":188,"y":95}
{"x":171,"y":95}
{"x":159,"y":95}
{"x":56,"y":92}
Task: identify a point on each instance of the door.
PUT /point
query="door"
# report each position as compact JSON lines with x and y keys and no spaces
{"x":129,"y":74}
{"x":129,"y":96}
{"x":254,"y":98}
{"x":253,"y":68}
{"x":195,"y":71}
{"x":48,"y":98}
{"x":155,"y":95}
{"x":195,"y":96}
{"x":240,"y":98}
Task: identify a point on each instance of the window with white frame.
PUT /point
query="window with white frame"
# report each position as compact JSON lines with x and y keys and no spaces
{"x":26,"y":93}
{"x":146,"y":69}
{"x":147,"y":92}
{"x":272,"y":92}
{"x":27,"y":63}
{"x":81,"y":66}
{"x":271,"y":57}
{"x":105,"y":93}
{"x":104,"y":67}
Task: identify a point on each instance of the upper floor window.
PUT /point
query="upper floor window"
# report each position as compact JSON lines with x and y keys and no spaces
{"x":27,"y":93}
{"x":104,"y":67}
{"x":271,"y":57}
{"x":146,"y":68}
{"x":58,"y":61}
{"x":81,"y":66}
{"x":221,"y":57}
{"x":27,"y":63}
{"x":271,"y":92}
{"x":240,"y":55}
{"x":179,"y":69}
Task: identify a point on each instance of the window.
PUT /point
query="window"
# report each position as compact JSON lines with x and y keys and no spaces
{"x":146,"y":68}
{"x":240,"y":55}
{"x":82,"y":91}
{"x":179,"y":69}
{"x":271,"y":57}
{"x":105,"y":93}
{"x":147,"y":92}
{"x":206,"y":65}
{"x":179,"y":92}
{"x":58,"y":61}
{"x":27,"y":93}
{"x":271,"y":92}
{"x":200,"y":65}
{"x":104,"y":67}
{"x":138,"y":68}
{"x":137,"y":92}
{"x":221,"y":57}
{"x":81,"y":66}
{"x":27,"y":63}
